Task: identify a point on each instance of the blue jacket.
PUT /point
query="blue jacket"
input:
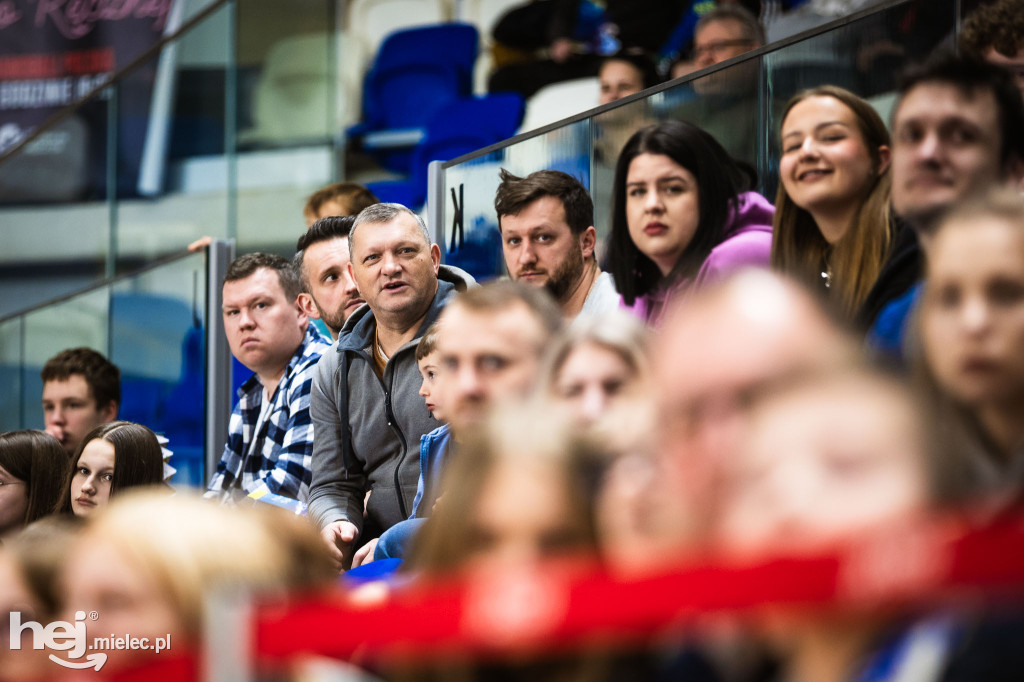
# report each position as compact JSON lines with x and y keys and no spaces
{"x":889,"y":333}
{"x":433,"y":449}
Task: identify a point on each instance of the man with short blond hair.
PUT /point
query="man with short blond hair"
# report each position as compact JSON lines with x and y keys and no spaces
{"x":366,"y":406}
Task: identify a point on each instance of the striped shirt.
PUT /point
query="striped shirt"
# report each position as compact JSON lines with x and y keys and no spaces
{"x":283,"y":448}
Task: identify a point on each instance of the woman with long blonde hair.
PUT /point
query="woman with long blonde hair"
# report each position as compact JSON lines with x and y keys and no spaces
{"x":833,"y":226}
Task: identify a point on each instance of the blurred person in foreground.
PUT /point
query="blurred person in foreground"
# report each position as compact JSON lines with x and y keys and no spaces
{"x":596,"y":364}
{"x":838,"y":456}
{"x":717,"y":347}
{"x":30,"y":563}
{"x":514,"y":496}
{"x":971,"y":328}
{"x":518,"y":516}
{"x":147,"y":562}
{"x":490,"y":341}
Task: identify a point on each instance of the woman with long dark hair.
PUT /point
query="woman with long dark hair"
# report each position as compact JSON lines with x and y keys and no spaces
{"x":32,"y":468}
{"x":111,"y":458}
{"x":683,"y":216}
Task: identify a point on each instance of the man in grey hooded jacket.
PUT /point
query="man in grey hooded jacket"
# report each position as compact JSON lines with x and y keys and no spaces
{"x":367,"y":414}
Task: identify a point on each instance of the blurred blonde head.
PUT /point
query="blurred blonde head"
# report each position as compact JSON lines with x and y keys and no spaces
{"x":521,"y":487}
{"x":146,"y":563}
{"x":596,"y":362}
{"x":971,"y":329}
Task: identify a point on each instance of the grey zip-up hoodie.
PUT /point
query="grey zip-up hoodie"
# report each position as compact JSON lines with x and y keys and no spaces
{"x":368,"y":429}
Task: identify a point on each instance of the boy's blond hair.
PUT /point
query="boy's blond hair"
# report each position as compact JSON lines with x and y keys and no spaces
{"x":428,"y":343}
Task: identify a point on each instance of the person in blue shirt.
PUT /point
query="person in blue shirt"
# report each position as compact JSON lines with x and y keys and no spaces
{"x":957,"y":130}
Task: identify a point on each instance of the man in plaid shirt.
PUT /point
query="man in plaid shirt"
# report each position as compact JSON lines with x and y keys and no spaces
{"x":270,"y":434}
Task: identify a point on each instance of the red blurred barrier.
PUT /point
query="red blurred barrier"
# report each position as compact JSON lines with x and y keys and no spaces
{"x":568,"y":604}
{"x":565,"y":605}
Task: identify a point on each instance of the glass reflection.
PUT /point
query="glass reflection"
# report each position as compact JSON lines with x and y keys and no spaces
{"x":157,"y":327}
{"x":10,"y":374}
{"x":77,"y":321}
{"x":471,"y":238}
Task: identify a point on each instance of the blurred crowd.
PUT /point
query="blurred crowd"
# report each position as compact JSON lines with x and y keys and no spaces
{"x":734,"y":375}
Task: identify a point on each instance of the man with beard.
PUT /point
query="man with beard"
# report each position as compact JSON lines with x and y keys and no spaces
{"x":321,"y":258}
{"x":547,"y":230}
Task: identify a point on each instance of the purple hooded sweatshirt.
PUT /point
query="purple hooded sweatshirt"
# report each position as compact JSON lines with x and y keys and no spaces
{"x":747,"y":243}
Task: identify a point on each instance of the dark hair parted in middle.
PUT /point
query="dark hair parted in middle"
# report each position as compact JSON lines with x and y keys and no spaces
{"x":516,"y":193}
{"x":138,"y":459}
{"x":720,"y":179}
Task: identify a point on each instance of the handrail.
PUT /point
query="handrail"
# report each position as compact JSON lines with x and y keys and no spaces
{"x":151,"y":52}
{"x":696,"y":75}
{"x":160,"y":262}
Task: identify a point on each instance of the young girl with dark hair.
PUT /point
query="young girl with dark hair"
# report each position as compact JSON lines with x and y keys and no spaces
{"x":683,"y":216}
{"x":111,"y":458}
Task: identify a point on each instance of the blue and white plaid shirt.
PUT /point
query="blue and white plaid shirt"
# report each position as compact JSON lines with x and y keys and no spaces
{"x":284,"y":447}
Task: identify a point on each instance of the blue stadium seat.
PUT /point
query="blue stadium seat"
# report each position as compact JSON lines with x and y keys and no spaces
{"x":459,"y":127}
{"x":416,"y":72}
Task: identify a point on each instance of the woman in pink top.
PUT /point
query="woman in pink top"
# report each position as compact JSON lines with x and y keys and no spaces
{"x":683,"y":216}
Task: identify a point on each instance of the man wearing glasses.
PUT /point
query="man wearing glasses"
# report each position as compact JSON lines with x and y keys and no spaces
{"x":723,"y":33}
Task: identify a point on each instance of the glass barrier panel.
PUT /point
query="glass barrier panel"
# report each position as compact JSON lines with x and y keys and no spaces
{"x":864,"y":56}
{"x":724,"y":103}
{"x":52,"y":54}
{"x":50,"y":251}
{"x":54,"y":211}
{"x":472,"y":241}
{"x":11,"y":358}
{"x":80,"y":320}
{"x":611,"y":130}
{"x":289,"y":113}
{"x":59,"y":218}
{"x":286,"y":73}
{"x":157,"y":339}
{"x":182,"y":186}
